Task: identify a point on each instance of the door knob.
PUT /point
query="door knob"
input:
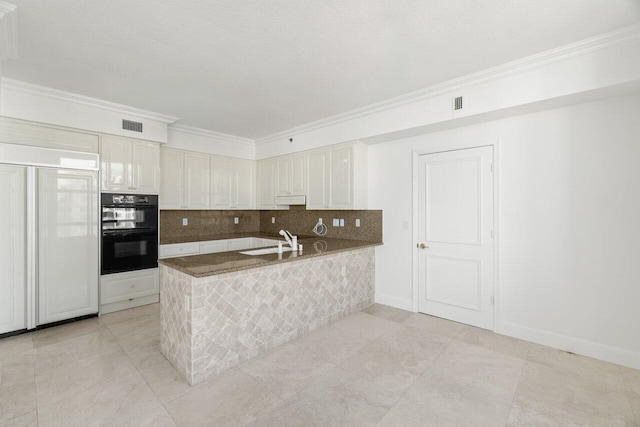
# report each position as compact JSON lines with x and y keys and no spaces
{"x":422,"y":246}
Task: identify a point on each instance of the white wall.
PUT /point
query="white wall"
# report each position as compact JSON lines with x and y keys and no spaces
{"x":595,"y":64}
{"x":568,"y":224}
{"x":211,"y":143}
{"x":35,"y":103}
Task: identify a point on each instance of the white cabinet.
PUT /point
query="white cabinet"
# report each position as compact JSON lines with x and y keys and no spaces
{"x":317,"y":197}
{"x":179,"y":249}
{"x":49,"y":244}
{"x":129,"y":165}
{"x":291,"y":175}
{"x":13,"y":267}
{"x":337,"y":177}
{"x":239,"y":244}
{"x":67,"y":244}
{"x":126,"y":286}
{"x":213,"y":246}
{"x":244,"y":180}
{"x":184,"y":179}
{"x":221,"y":182}
{"x":266,"y":184}
{"x":197,"y":181}
{"x":232,"y":183}
{"x":171,"y":179}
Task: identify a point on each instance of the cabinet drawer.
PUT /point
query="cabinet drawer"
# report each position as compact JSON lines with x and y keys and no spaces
{"x":132,"y":284}
{"x":213,"y":246}
{"x":179,"y":249}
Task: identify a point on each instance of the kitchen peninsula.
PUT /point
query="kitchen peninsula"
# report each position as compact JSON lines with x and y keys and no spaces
{"x":221,"y":309}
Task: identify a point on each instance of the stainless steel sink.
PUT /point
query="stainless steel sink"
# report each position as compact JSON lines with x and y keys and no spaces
{"x":265,"y":251}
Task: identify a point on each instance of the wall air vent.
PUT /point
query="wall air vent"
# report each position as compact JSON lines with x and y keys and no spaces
{"x":132,"y":126}
{"x":457,"y":103}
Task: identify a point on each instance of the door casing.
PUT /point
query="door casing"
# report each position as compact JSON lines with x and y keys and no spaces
{"x":415,"y":217}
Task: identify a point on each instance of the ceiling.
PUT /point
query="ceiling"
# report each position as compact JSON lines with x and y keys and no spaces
{"x":252,"y":68}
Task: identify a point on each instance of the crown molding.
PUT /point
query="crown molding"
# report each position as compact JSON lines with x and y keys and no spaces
{"x":33,"y":89}
{"x":211,"y":134}
{"x":8,"y":31}
{"x":583,"y":47}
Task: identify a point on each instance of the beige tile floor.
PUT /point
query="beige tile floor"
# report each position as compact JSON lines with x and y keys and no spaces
{"x":382,"y":366}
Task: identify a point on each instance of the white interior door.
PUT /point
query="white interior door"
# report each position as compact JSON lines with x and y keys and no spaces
{"x":67,"y":244}
{"x":13,"y":266}
{"x":455,"y":220}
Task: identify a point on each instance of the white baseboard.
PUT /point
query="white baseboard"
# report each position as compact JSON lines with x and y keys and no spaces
{"x":401,"y":303}
{"x":574,"y":345}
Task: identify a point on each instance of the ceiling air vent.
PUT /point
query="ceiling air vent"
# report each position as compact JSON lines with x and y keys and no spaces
{"x":457,"y":103}
{"x":132,"y":126}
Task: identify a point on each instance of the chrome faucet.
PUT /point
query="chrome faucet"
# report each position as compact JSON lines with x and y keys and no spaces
{"x":291,"y":240}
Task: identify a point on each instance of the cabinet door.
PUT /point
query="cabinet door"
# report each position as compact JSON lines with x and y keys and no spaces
{"x":67,"y":244}
{"x":317,"y":180}
{"x":299,"y":175}
{"x":283,"y":176}
{"x":197,"y":180}
{"x":13,"y":268}
{"x":239,"y":244}
{"x":171,"y":179}
{"x":221,"y":180}
{"x":145,"y":164}
{"x":115,"y":160}
{"x":266,"y":184}
{"x":340,"y":178}
{"x":244,"y":194}
{"x":213,"y":246}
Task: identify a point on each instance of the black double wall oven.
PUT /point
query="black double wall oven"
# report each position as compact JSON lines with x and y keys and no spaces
{"x":129,"y":232}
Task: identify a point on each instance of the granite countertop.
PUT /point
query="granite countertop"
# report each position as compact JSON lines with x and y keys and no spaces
{"x":207,"y":237}
{"x":226,"y":262}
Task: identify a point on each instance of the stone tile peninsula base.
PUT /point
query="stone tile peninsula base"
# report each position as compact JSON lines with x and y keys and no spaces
{"x":211,"y":324}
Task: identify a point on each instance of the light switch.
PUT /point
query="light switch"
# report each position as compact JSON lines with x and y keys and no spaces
{"x":341,"y":222}
{"x":273,"y":220}
{"x":357,"y":222}
{"x":236,"y":220}
{"x":336,"y":222}
{"x":185,"y":221}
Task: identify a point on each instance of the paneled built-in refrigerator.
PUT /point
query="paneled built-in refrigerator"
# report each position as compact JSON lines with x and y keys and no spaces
{"x":49,"y":244}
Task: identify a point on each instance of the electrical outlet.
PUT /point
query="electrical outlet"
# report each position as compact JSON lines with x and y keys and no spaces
{"x":357,"y":222}
{"x":273,"y":220}
{"x":236,"y":220}
{"x":341,"y":222}
{"x":185,"y":221}
{"x":336,"y":222}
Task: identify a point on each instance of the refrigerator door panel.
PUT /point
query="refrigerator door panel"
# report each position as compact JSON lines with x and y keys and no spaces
{"x":67,"y":244}
{"x":13,"y":262}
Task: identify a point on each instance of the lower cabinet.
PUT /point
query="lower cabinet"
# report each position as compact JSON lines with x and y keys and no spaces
{"x":130,"y":289}
{"x":214,"y":246}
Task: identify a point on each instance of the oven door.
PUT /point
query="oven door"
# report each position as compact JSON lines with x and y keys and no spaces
{"x":129,"y":250}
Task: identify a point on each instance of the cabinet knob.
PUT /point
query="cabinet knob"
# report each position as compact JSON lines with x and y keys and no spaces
{"x":422,"y":246}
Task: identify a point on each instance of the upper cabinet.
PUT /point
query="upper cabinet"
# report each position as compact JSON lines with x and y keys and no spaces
{"x":129,"y":165}
{"x":233,"y":183}
{"x":266,"y":184}
{"x":337,"y":177}
{"x":193,"y":180}
{"x":291,"y":175}
{"x":243,"y":191}
{"x":184,"y":179}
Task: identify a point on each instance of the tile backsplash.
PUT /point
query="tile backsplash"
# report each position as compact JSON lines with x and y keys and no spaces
{"x":297,"y":220}
{"x":300,"y":221}
{"x":207,"y":223}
